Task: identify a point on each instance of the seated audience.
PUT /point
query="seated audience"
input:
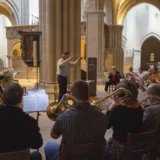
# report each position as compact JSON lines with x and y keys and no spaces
{"x":114,"y":78}
{"x":152,"y":112}
{"x":140,"y":73}
{"x":82,"y":124}
{"x":19,"y":131}
{"x":123,"y":119}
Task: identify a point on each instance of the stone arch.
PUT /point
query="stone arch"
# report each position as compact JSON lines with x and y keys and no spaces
{"x":149,"y":36}
{"x":128,"y":5}
{"x":151,"y":45}
{"x":7,"y":11}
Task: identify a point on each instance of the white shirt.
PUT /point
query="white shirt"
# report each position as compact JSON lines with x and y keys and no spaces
{"x":65,"y":69}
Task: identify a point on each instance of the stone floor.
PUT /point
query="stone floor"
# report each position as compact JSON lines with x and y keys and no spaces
{"x":46,"y":124}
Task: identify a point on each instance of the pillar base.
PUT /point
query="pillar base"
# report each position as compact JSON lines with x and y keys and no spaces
{"x":101,"y":79}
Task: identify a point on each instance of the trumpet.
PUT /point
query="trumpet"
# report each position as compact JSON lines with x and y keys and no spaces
{"x":119,"y":96}
{"x":55,"y":109}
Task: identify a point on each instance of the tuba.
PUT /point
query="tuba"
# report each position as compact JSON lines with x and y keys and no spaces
{"x":55,"y":109}
{"x":119,"y":96}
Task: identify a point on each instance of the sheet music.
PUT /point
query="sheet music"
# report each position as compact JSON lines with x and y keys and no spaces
{"x":29,"y":103}
{"x":42,"y":102}
{"x":36,"y":101}
{"x":36,"y":91}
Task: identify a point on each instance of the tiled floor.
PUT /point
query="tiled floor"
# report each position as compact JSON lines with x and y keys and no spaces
{"x":45,"y":123}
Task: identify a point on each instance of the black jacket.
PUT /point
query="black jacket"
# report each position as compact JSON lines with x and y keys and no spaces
{"x":118,"y":76}
{"x":18,"y":130}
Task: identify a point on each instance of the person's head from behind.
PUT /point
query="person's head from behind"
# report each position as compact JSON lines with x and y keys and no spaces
{"x":13,"y":94}
{"x":153,"y":91}
{"x":131,"y":69}
{"x":80,"y":90}
{"x":132,"y":88}
{"x":65,"y":55}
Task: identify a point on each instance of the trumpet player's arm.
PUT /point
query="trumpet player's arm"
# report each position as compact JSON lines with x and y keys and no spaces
{"x":56,"y":130}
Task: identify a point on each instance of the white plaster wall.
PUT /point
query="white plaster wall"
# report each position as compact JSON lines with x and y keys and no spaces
{"x":83,"y":16}
{"x":33,"y":11}
{"x":21,"y":10}
{"x":140,"y":21}
{"x":3,"y":41}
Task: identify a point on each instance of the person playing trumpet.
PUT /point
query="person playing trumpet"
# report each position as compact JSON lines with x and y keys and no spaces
{"x":114,"y":78}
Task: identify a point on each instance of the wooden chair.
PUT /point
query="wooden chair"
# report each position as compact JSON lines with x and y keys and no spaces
{"x":140,"y":145}
{"x":72,"y":149}
{"x":111,"y":88}
{"x":18,"y":155}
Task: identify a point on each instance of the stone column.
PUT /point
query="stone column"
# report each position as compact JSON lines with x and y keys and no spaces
{"x":95,"y":40}
{"x":60,"y":26}
{"x":114,"y":48}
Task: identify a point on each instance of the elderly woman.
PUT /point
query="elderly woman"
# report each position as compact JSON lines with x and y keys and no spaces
{"x":123,"y":119}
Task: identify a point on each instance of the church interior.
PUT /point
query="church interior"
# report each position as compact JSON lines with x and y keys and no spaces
{"x":119,"y":38}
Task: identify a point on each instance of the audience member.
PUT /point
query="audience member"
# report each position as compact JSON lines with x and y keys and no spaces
{"x":114,"y":78}
{"x":18,"y":130}
{"x":83,"y":124}
{"x":126,"y":118}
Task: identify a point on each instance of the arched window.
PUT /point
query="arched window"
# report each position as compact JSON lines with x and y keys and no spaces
{"x":152,"y":57}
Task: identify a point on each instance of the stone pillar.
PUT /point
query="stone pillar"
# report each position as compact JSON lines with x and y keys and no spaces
{"x":60,"y":26}
{"x":114,"y":48}
{"x":95,"y":40}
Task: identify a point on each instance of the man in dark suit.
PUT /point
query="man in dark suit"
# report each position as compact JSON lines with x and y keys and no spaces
{"x":114,"y":78}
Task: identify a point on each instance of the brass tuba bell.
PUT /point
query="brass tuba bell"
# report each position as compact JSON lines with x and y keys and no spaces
{"x":55,"y":109}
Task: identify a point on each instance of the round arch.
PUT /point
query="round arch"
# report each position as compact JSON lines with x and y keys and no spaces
{"x":128,"y":4}
{"x":7,"y":11}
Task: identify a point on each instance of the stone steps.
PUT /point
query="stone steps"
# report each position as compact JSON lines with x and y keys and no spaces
{"x":26,"y":72}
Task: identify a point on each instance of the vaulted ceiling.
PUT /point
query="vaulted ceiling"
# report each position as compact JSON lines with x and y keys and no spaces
{"x":119,"y":7}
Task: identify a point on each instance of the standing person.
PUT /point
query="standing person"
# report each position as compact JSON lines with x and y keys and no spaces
{"x":64,"y":65}
{"x":114,"y":78}
{"x":83,"y":124}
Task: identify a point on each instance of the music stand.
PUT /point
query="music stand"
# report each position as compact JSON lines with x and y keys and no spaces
{"x":91,"y":93}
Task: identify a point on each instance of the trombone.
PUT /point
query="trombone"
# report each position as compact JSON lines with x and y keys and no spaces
{"x":119,"y":96}
{"x":55,"y":109}
{"x":146,"y":102}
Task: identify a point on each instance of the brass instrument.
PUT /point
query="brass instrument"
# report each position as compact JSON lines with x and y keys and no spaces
{"x":146,"y":102}
{"x":119,"y":96}
{"x":55,"y":109}
{"x":157,"y":79}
